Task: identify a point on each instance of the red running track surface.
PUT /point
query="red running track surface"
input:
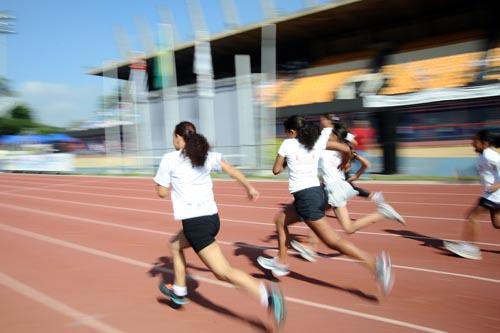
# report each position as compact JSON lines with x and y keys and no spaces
{"x":85,"y":254}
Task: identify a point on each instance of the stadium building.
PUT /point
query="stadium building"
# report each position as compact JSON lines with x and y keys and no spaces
{"x":420,"y":72}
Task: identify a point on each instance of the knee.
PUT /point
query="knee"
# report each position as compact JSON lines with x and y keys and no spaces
{"x":174,"y":247}
{"x":279,"y":220}
{"x":349,"y":229}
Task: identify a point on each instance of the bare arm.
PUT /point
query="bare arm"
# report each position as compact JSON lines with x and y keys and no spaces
{"x":365,"y":164}
{"x":161,"y":191}
{"x":279,"y":164}
{"x":342,"y":147}
{"x":252,"y":193}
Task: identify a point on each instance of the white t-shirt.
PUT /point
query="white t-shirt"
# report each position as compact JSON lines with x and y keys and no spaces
{"x":192,"y":193}
{"x":302,"y":163}
{"x":329,"y":163}
{"x":488,"y":167}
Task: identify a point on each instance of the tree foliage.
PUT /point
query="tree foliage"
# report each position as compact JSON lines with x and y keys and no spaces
{"x":21,"y":112}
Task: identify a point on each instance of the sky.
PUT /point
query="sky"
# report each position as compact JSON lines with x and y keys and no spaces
{"x":56,"y":42}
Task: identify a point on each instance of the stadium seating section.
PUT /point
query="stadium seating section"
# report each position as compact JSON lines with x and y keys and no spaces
{"x":439,"y":72}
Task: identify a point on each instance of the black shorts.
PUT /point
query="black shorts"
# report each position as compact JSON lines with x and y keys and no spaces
{"x":201,"y":231}
{"x":483,"y":202}
{"x":310,"y":203}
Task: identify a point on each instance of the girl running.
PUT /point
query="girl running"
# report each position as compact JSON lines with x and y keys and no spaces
{"x":488,"y":167}
{"x":301,"y":153}
{"x":187,"y":171}
{"x":339,"y":191}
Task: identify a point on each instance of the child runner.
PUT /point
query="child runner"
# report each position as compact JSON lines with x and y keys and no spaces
{"x":187,"y":171}
{"x":329,"y":121}
{"x":301,"y":153}
{"x":488,"y":167}
{"x":339,"y":191}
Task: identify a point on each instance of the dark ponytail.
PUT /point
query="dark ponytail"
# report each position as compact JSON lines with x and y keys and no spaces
{"x":196,"y":148}
{"x":340,"y":132}
{"x":486,"y":136}
{"x":307,"y":132}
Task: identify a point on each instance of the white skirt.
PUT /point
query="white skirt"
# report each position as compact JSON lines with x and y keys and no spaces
{"x":339,"y":192}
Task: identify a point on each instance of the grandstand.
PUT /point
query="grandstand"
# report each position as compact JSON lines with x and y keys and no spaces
{"x":387,"y":61}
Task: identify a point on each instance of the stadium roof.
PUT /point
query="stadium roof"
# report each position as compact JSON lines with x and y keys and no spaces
{"x":332,"y":29}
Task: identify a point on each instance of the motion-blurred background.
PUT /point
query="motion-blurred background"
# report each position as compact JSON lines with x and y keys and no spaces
{"x":97,"y":88}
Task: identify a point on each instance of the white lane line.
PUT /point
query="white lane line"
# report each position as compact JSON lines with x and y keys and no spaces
{"x":230,"y":205}
{"x":151,"y":231}
{"x":46,"y":300}
{"x":138,"y":263}
{"x":47,"y":187}
{"x":218,"y":192}
{"x":149,"y":211}
{"x":411,"y":268}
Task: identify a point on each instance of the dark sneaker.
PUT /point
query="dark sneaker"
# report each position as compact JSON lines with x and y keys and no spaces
{"x":277,"y":305}
{"x":463,"y":249}
{"x":168,"y":291}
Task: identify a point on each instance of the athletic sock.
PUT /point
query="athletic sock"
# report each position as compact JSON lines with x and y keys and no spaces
{"x":180,"y":290}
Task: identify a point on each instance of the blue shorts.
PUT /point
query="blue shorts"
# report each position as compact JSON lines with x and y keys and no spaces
{"x":200,"y":231}
{"x":310,"y":203}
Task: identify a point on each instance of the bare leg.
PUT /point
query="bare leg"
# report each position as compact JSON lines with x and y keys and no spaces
{"x":215,"y":260}
{"x":471,"y":227}
{"x":495,"y":218}
{"x":331,"y":239}
{"x":177,"y":246}
{"x":283,"y":220}
{"x":351,"y":226}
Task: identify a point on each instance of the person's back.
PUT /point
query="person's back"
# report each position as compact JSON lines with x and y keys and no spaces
{"x":191,"y":186}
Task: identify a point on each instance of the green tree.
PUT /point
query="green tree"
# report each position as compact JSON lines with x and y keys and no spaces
{"x":21,"y":112}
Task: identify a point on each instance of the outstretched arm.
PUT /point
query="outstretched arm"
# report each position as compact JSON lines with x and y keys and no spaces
{"x":252,"y":193}
{"x":365,"y":164}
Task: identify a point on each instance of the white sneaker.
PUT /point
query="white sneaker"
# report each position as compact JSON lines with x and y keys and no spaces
{"x":390,"y":213}
{"x":378,"y":198}
{"x":305,"y":252}
{"x":463,"y":249}
{"x":273,"y":265}
{"x":384,"y":272}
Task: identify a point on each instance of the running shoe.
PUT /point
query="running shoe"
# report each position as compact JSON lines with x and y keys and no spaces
{"x":168,"y":291}
{"x":390,"y":213}
{"x":463,"y":249}
{"x":273,"y":265}
{"x":277,"y":307}
{"x":378,"y":198}
{"x":305,"y":252}
{"x":384,"y":272}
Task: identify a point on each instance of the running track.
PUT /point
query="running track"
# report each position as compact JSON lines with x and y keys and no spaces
{"x":85,"y":254}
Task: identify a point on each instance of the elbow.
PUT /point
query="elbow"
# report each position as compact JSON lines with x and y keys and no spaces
{"x":277,"y":171}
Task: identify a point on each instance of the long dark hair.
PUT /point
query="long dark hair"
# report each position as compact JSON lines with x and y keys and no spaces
{"x":307,"y":132}
{"x":486,"y":136}
{"x":340,"y":132}
{"x":196,"y":148}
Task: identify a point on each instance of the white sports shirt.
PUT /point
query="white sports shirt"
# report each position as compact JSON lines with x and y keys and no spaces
{"x":192,"y":193}
{"x":488,"y":167}
{"x":302,"y":164}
